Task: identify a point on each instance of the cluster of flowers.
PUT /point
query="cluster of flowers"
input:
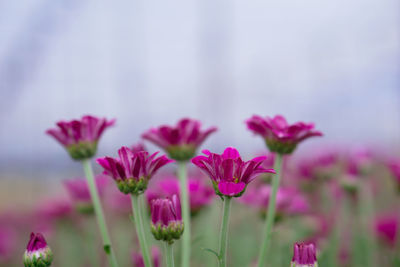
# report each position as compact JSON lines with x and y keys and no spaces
{"x":173,"y":200}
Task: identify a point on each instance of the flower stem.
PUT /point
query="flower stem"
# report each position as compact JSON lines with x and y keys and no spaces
{"x":137,"y":215}
{"x":184,"y":197}
{"x":223,"y":236}
{"x":169,"y":254}
{"x":269,"y":222}
{"x":87,"y":167}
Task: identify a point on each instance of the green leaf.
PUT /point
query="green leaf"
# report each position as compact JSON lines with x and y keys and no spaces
{"x":213,"y":252}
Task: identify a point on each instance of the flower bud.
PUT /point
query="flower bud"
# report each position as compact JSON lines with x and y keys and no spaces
{"x":37,"y":253}
{"x":166,"y":219}
{"x":304,"y":255}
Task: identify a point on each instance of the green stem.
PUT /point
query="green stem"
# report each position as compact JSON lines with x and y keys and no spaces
{"x":169,"y":254}
{"x":137,"y":215}
{"x":269,"y":222}
{"x":223,"y":236}
{"x":184,"y":197}
{"x":87,"y":167}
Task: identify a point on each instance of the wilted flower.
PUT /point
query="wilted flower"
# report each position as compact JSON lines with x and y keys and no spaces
{"x":288,"y":200}
{"x":155,"y":254}
{"x":229,"y":173}
{"x":200,"y":194}
{"x":386,"y":227}
{"x":180,"y":141}
{"x":132,"y":171}
{"x":80,"y":137}
{"x":166,"y":219}
{"x":304,"y":255}
{"x":279,"y":136}
{"x":37,"y":253}
{"x":78,"y":190}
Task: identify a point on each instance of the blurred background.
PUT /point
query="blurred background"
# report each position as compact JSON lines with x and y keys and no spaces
{"x":146,"y":63}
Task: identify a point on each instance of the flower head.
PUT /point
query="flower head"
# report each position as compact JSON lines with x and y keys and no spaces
{"x":386,"y":227}
{"x":80,"y":137}
{"x":166,"y":219}
{"x":78,"y":190}
{"x":200,"y":194}
{"x":280,"y":136}
{"x":155,"y":254}
{"x":180,"y":141}
{"x":304,"y":255}
{"x":228,"y":172}
{"x":37,"y":253}
{"x":132,"y":171}
{"x":138,"y":147}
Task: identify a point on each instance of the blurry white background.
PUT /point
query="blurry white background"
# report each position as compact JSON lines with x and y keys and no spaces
{"x":148,"y":62}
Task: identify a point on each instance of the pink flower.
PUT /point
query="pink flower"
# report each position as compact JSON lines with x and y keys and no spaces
{"x":37,"y":252}
{"x":54,"y":209}
{"x":304,"y":255}
{"x":166,"y":219}
{"x":279,"y":136}
{"x":180,"y":141}
{"x":228,"y":172}
{"x":78,"y":190}
{"x":80,"y":137}
{"x":155,"y":254}
{"x":386,"y":227}
{"x":138,"y":147}
{"x":8,"y":241}
{"x":132,"y":171}
{"x":200,"y":194}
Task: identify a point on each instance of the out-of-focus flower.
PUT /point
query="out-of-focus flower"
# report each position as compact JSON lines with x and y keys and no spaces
{"x":323,"y":165}
{"x":304,"y":255}
{"x":166,"y":219}
{"x":155,"y":254}
{"x":359,"y":161}
{"x":386,"y":227}
{"x":37,"y":253}
{"x":230,"y":175}
{"x":132,"y":171}
{"x":394,"y":167}
{"x":200,"y":194}
{"x":180,"y":141}
{"x":80,"y":137}
{"x":288,"y":200}
{"x":78,"y":190}
{"x":118,"y":202}
{"x":280,"y":136}
{"x":8,"y":241}
{"x":138,"y":147}
{"x":55,"y":209}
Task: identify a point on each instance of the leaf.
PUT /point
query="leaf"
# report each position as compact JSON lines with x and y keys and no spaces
{"x":213,"y":252}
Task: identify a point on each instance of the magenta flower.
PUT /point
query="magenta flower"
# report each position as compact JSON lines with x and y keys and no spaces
{"x":57,"y":208}
{"x":78,"y":190}
{"x":180,"y":141}
{"x":386,"y":227}
{"x":304,"y":255}
{"x":155,"y":254}
{"x":200,"y":194}
{"x":80,"y":137}
{"x":166,"y":219}
{"x":279,"y":136}
{"x":38,"y":253}
{"x":230,"y":175}
{"x":288,"y":200}
{"x":8,"y":242}
{"x":138,"y":147}
{"x":132,"y":171}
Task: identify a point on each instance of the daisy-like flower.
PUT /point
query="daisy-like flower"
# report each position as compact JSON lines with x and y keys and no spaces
{"x":229,"y":173}
{"x":166,"y":219}
{"x":132,"y":171}
{"x":180,"y":141}
{"x":386,"y":227}
{"x":280,"y":136}
{"x":80,"y":137}
{"x":37,"y":253}
{"x":304,"y":255}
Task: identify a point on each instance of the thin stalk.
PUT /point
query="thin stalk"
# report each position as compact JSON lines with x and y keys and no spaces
{"x":223,"y":236}
{"x":184,"y":196}
{"x":137,"y":215}
{"x":169,"y":254}
{"x":146,"y":219}
{"x":269,"y":221}
{"x":87,"y":167}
